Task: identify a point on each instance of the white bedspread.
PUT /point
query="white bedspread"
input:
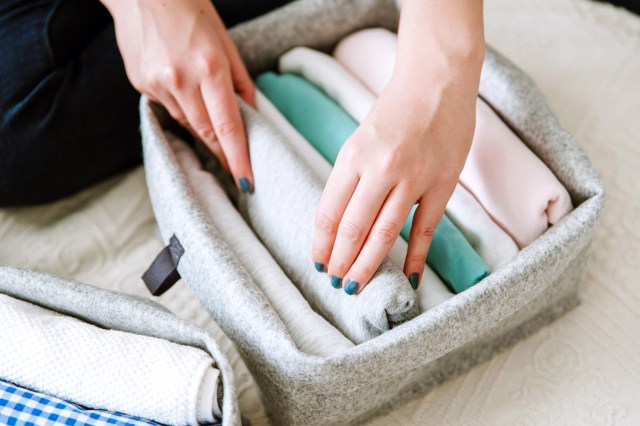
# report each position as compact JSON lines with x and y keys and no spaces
{"x":583,"y":369}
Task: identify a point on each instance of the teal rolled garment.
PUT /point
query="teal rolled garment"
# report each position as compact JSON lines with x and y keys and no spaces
{"x":315,"y":115}
{"x":451,"y":256}
{"x":327,"y":127}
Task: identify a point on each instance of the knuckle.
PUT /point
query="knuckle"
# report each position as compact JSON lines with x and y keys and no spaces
{"x":351,"y":231}
{"x":325,"y":223}
{"x":339,"y":269}
{"x":350,"y":153}
{"x":390,"y":162}
{"x":426,"y":231}
{"x":210,"y":64}
{"x":387,"y":232}
{"x":206,"y":133}
{"x":227,"y":129}
{"x":416,"y":259}
{"x":172,"y":77}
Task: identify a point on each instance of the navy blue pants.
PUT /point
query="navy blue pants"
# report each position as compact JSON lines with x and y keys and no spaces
{"x":68,"y":114}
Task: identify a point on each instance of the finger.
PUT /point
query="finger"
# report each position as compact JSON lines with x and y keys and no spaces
{"x":383,"y":234}
{"x":222,"y":107}
{"x":425,"y":219}
{"x":197,"y":121}
{"x":355,"y":224}
{"x":242,"y":82}
{"x":333,"y":202}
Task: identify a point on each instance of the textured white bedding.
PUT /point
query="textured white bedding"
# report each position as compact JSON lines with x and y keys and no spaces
{"x":583,"y":369}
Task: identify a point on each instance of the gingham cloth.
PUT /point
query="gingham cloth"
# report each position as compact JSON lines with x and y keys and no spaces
{"x":22,"y":407}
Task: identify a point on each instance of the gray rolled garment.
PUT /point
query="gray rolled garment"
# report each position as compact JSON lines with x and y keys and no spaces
{"x":281,"y":212}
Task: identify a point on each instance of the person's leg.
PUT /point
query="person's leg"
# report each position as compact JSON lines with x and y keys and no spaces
{"x":68,"y":114}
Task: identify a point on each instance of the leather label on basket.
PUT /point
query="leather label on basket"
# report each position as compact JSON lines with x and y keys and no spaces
{"x":163,"y":272}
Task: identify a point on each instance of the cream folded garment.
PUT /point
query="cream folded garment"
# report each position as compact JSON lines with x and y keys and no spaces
{"x":105,"y":369}
{"x":281,"y":212}
{"x":514,"y":186}
{"x":432,"y":291}
{"x":310,"y":332}
{"x":487,"y":238}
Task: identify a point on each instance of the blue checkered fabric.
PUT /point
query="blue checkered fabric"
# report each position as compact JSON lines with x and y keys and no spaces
{"x":22,"y":407}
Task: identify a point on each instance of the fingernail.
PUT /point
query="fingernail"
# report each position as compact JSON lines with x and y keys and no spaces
{"x":320,"y":267}
{"x":245,"y":185}
{"x":414,"y":280}
{"x":336,"y":282}
{"x":351,"y":287}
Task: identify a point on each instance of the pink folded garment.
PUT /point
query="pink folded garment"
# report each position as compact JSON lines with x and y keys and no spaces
{"x":517,"y":189}
{"x":514,"y":186}
{"x":370,"y":55}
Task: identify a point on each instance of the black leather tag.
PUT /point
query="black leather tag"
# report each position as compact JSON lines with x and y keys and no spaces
{"x":163,"y":272}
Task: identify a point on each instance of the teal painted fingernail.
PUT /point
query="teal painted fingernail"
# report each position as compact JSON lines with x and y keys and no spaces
{"x":414,"y":280}
{"x":351,"y":287}
{"x":336,"y":282}
{"x":245,"y":185}
{"x":320,"y":267}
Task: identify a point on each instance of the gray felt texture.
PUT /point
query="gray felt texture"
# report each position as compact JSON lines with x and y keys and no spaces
{"x":116,"y":311}
{"x":349,"y":387}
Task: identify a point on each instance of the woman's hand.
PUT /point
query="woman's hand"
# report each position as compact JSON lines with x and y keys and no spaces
{"x":410,"y":148}
{"x":179,"y":54}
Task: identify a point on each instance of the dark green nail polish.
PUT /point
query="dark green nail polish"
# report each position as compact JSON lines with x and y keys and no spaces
{"x":245,"y":185}
{"x":414,"y":280}
{"x":351,"y":287}
{"x":336,"y":282}
{"x":320,"y":267}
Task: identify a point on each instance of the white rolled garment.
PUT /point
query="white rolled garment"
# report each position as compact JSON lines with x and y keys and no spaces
{"x":487,"y":238}
{"x":110,"y":370}
{"x":310,"y":332}
{"x":432,"y":291}
{"x":328,"y":74}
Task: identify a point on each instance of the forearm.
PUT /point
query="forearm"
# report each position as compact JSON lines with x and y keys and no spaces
{"x":440,"y":44}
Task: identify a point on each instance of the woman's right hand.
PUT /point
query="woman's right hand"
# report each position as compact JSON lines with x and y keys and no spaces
{"x":179,"y":54}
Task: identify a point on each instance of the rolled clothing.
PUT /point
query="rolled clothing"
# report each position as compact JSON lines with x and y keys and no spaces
{"x":110,"y":370}
{"x":513,"y":185}
{"x":495,"y":246}
{"x":370,"y":55}
{"x":281,"y":212}
{"x":431,"y":291}
{"x":327,"y":127}
{"x":517,"y":189}
{"x":327,"y":73}
{"x":27,"y":407}
{"x":310,"y":332}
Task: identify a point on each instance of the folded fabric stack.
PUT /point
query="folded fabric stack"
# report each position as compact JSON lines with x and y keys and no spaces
{"x":506,"y":198}
{"x":141,"y":376}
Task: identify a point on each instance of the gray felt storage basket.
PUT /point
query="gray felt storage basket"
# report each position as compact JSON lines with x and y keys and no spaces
{"x":116,"y":311}
{"x":539,"y":285}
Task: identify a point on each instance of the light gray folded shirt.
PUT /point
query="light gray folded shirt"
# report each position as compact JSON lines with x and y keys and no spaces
{"x":281,"y":212}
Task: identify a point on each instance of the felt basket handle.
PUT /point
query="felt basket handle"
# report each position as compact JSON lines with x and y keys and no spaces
{"x":163,"y":272}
